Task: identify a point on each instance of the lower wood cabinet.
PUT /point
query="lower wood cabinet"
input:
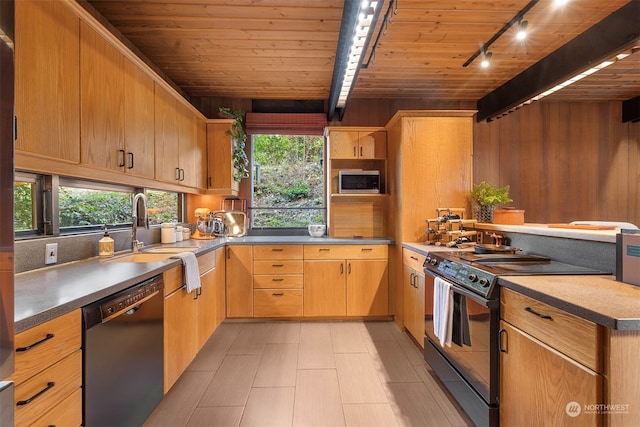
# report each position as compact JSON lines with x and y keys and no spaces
{"x":51,"y":371}
{"x":190,"y":318}
{"x":413,"y":287}
{"x":239,"y":279}
{"x":346,"y":280}
{"x":551,"y":365}
{"x":277,"y":280}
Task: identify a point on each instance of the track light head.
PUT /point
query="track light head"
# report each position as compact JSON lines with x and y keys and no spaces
{"x":522,"y":30}
{"x":486,"y":59}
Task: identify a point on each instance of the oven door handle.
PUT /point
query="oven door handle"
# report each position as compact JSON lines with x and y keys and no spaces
{"x":462,"y":291}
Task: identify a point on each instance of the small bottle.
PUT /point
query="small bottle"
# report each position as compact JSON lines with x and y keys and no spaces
{"x":105,"y":245}
{"x":179,"y":233}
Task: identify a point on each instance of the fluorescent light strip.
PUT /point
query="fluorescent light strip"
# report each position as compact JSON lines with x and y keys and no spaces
{"x":356,"y":49}
{"x":569,"y":81}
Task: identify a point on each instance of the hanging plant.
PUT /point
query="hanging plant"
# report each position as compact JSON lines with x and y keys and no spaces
{"x":239,"y":158}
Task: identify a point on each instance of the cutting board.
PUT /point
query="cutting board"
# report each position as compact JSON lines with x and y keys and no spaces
{"x":583,"y":226}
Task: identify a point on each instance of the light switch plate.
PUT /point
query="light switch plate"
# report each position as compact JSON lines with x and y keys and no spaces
{"x":51,"y":253}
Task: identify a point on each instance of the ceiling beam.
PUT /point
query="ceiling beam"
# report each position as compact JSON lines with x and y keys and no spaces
{"x":600,"y":42}
{"x":347,"y":25}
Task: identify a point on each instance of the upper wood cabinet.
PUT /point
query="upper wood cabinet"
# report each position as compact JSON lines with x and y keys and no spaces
{"x":138,"y":121}
{"x":357,"y":144}
{"x":220,"y":169}
{"x":180,"y":150}
{"x":47,"y":74}
{"x":102,"y":101}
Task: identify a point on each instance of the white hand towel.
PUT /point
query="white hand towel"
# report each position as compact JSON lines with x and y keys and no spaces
{"x":442,"y":311}
{"x":191,"y":272}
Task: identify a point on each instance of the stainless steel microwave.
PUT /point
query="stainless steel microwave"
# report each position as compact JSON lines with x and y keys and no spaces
{"x":359,"y":181}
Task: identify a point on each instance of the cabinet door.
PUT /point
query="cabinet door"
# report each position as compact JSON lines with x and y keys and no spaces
{"x":138,"y":121}
{"x":219,"y":164}
{"x":166,"y":136}
{"x":343,"y":144}
{"x":409,"y":299}
{"x":324,"y":288}
{"x":180,"y":335}
{"x":219,"y":283}
{"x":47,"y":57}
{"x":206,"y":303}
{"x":539,"y":384}
{"x":372,"y":145}
{"x":418,"y":309}
{"x":102,"y":101}
{"x":188,"y":146}
{"x":239,"y":266}
{"x":367,"y":288}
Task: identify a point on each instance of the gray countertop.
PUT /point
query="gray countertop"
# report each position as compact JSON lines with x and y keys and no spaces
{"x":599,"y":298}
{"x":43,"y":294}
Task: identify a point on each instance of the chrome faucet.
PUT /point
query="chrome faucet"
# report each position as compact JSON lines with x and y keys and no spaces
{"x":135,"y":244}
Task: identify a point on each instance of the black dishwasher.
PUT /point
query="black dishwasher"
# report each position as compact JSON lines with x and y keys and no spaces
{"x":123,"y":356}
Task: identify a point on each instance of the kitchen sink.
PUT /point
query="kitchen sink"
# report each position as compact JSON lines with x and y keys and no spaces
{"x":143,"y":257}
{"x":171,"y":250}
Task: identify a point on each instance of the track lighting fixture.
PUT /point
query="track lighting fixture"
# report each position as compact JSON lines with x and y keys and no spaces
{"x":518,"y":19}
{"x":522,"y":30}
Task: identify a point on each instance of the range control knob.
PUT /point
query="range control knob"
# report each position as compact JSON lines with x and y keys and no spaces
{"x":472,"y":277}
{"x":484,"y":283}
{"x":433,"y":261}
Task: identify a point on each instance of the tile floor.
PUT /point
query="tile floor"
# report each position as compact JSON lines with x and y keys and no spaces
{"x":325,"y":374}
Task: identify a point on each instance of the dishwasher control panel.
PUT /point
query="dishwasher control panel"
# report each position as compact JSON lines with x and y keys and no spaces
{"x":131,"y":297}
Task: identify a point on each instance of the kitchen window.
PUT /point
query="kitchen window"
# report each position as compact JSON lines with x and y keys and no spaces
{"x":47,"y":205}
{"x":288,"y":181}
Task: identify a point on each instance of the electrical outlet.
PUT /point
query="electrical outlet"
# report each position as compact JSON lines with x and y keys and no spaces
{"x":51,"y":253}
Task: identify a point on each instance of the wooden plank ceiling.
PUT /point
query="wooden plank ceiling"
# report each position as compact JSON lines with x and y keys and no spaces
{"x":285,"y":49}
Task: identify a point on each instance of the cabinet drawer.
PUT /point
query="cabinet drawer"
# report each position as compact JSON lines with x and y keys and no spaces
{"x":277,"y":267}
{"x":579,"y":339}
{"x":268,"y":281}
{"x":277,"y":252}
{"x":277,"y":303}
{"x":413,"y":259}
{"x":172,"y":280}
{"x":207,"y":262}
{"x":66,"y":413}
{"x":345,"y":252}
{"x":41,"y":346}
{"x":54,"y":384}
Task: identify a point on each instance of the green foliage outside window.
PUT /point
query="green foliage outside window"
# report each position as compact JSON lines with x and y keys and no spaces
{"x":83,"y":207}
{"x":23,"y":199}
{"x":288,"y":181}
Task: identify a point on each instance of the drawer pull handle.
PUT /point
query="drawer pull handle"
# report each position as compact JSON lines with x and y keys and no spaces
{"x":276,"y":250}
{"x":542,"y":316}
{"x":366,"y":249}
{"x":413,"y":258}
{"x":35,"y":344}
{"x":277,"y":279}
{"x":50,"y":384}
{"x":277,"y":265}
{"x":278,"y":294}
{"x":324,"y":250}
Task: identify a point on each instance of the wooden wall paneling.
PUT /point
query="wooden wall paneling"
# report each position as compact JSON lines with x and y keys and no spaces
{"x":47,"y":75}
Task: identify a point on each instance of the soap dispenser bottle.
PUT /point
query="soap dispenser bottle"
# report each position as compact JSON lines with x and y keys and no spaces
{"x":105,"y":245}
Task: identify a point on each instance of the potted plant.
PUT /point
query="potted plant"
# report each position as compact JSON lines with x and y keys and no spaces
{"x":239,"y":137}
{"x":485,"y":197}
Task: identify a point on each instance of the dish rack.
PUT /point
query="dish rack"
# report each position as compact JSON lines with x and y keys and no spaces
{"x":448,"y":228}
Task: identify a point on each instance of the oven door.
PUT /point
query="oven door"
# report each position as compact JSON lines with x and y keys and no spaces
{"x":476,"y":363}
